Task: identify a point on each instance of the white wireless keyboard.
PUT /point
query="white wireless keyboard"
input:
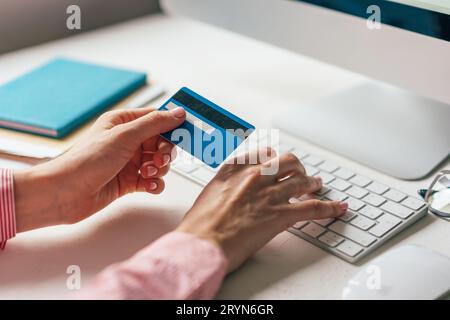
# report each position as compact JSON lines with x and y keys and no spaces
{"x":376,"y":211}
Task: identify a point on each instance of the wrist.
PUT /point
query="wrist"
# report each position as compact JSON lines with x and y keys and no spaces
{"x":38,"y":193}
{"x":209,"y":236}
{"x":228,"y":242}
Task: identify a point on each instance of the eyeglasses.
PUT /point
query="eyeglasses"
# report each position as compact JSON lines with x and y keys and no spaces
{"x":438,"y":194}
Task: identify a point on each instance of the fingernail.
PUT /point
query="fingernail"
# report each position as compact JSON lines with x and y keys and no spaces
{"x":166,"y":159}
{"x":319,"y":180}
{"x":178,"y":112}
{"x":151,"y":171}
{"x":343,"y":206}
{"x":153,"y":186}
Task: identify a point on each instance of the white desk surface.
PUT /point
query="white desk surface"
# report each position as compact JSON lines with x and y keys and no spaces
{"x":252,"y":79}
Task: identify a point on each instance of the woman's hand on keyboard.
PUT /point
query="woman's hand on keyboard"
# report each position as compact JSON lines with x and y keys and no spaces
{"x":241,"y":209}
{"x":121,"y":153}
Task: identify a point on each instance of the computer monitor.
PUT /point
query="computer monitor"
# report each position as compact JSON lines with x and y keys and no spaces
{"x":399,"y":123}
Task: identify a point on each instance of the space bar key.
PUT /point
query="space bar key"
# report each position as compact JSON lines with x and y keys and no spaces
{"x":352,"y":233}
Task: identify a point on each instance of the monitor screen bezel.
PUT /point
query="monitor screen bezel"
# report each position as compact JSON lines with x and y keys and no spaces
{"x":416,"y":19}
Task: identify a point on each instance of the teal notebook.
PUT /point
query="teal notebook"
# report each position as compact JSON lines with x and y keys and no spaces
{"x":59,"y":96}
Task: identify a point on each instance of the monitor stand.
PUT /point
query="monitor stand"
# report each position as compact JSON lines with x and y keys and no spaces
{"x":389,"y":129}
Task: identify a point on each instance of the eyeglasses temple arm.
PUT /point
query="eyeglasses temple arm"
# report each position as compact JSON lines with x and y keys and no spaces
{"x":440,"y":174}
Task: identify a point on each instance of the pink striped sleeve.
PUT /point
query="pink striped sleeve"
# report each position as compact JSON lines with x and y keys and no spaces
{"x":7,"y":211}
{"x":176,"y":266}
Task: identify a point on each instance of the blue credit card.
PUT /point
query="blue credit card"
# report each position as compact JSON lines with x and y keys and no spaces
{"x":210,"y":133}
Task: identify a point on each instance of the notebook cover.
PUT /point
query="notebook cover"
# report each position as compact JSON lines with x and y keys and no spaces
{"x":59,"y":96}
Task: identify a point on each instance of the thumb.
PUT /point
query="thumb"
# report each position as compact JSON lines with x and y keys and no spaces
{"x":153,"y":124}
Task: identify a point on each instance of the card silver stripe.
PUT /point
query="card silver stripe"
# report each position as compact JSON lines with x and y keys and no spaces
{"x":193,"y":119}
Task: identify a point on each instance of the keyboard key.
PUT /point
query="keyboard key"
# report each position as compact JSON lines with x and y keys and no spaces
{"x":374,"y":199}
{"x":362,"y":222}
{"x":344,"y":174}
{"x":389,"y":218}
{"x":186,"y":166}
{"x":331,"y":239}
{"x":394,"y":195}
{"x":371,"y":212}
{"x":349,"y":215}
{"x":386,"y":223}
{"x":310,"y":171}
{"x":334,"y":195}
{"x":413,"y":203}
{"x":349,"y":248}
{"x":377,"y":188}
{"x":340,"y":184}
{"x":326,"y":177}
{"x":352,"y":233}
{"x":354,"y":204}
{"x":381,"y":229}
{"x":328,"y":167}
{"x":203,"y":175}
{"x":357,"y":192}
{"x":360,"y":181}
{"x":298,"y":225}
{"x":312,"y":160}
{"x":284,"y":148}
{"x":300,"y":153}
{"x":313,"y":230}
{"x":396,"y":209}
{"x":324,"y":222}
